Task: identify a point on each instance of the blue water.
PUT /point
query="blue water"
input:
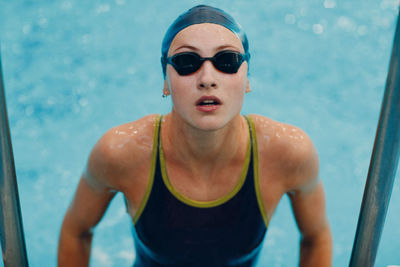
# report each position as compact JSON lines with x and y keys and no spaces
{"x":73,"y":69}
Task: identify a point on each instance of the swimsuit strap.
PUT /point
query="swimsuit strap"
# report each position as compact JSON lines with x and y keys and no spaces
{"x":256,"y":175}
{"x":154,"y":159}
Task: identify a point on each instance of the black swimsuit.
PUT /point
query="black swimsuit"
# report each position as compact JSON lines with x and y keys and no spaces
{"x":172,"y":230}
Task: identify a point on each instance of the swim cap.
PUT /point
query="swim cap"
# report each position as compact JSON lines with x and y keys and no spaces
{"x":197,"y":15}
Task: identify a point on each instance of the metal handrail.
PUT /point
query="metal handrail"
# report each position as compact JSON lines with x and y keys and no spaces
{"x":382,"y":170}
{"x":11,"y":230}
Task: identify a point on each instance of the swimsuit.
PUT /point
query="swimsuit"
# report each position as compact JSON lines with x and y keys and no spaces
{"x":172,"y":230}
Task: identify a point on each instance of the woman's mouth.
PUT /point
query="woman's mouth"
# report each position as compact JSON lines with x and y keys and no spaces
{"x":208,"y":103}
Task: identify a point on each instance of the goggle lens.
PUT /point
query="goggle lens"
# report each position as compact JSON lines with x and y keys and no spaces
{"x":189,"y":62}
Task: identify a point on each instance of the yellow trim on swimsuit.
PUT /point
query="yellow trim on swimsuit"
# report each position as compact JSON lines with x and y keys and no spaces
{"x":256,"y":174}
{"x":204,"y":204}
{"x":152,"y":171}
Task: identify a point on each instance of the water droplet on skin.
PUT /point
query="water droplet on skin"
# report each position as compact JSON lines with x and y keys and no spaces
{"x":145,"y":142}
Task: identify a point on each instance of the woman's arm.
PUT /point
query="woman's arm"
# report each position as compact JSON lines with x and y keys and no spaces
{"x":92,"y":197}
{"x":316,"y":237}
{"x":114,"y":160}
{"x":308,"y":203}
{"x":85,"y":211}
{"x":292,"y":159}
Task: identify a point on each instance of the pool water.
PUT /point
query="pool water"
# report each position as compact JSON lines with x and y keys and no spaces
{"x":73,"y":69}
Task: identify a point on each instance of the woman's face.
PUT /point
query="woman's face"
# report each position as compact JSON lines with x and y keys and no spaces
{"x":207,"y":99}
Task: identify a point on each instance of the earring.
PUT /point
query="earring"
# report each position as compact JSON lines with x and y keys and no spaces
{"x":164,"y":95}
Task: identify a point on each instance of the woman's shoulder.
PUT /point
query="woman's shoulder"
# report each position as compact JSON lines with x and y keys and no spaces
{"x":129,"y":137}
{"x":279,"y":133}
{"x":122,"y":149}
{"x":287,"y":145}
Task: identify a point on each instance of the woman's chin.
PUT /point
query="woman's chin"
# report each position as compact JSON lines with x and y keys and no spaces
{"x":211,"y":123}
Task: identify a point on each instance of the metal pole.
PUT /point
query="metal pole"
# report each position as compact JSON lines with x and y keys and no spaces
{"x":11,"y":231}
{"x":382,"y":170}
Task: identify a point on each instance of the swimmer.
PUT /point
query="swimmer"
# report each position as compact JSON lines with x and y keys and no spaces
{"x":202,"y":182}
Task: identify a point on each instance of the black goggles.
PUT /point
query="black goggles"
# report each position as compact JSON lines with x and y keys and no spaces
{"x":189,"y":62}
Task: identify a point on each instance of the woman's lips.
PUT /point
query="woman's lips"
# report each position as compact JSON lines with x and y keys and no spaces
{"x":208,"y":103}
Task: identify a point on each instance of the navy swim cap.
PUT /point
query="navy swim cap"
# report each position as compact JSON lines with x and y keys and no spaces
{"x":197,"y":15}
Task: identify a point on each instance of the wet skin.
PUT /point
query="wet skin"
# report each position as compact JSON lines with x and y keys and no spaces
{"x":204,"y":139}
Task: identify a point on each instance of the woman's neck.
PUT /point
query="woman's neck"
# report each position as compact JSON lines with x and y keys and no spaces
{"x":191,"y":146}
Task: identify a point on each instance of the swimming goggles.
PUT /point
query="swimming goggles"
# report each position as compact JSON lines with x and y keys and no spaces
{"x":189,"y":62}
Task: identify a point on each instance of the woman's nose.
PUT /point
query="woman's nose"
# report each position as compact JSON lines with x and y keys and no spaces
{"x":207,"y":76}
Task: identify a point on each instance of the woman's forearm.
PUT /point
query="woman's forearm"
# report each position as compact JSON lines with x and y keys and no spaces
{"x":74,"y":250}
{"x":316,"y":250}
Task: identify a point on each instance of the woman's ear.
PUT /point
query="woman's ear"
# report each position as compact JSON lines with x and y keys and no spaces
{"x":247,"y":85}
{"x":166,"y":91}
